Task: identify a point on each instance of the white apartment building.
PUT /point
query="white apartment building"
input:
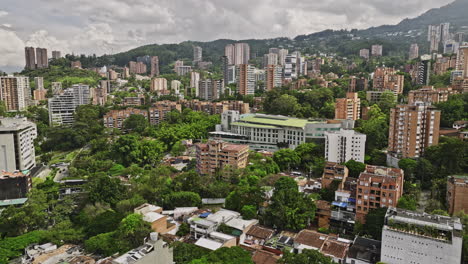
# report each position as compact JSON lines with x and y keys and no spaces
{"x":17,"y":144}
{"x":210,"y":89}
{"x":175,"y":86}
{"x":62,"y":107}
{"x":418,"y":238}
{"x":194,"y":80}
{"x":344,"y":145}
{"x":269,"y":132}
{"x":197,"y":54}
{"x":39,"y":82}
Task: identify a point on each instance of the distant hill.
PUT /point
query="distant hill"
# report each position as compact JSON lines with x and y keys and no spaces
{"x":395,"y":38}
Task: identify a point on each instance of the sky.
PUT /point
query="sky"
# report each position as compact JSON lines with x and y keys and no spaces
{"x":111,"y":26}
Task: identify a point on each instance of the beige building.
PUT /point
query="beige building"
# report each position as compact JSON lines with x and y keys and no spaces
{"x":158,"y":112}
{"x":274,"y":76}
{"x":348,"y":108}
{"x":412,"y":129}
{"x":215,"y":155}
{"x":388,"y":79}
{"x":15,"y":92}
{"x":378,"y":187}
{"x":153,"y":215}
{"x":158,"y":84}
{"x":154,"y":66}
{"x":457,"y":193}
{"x":137,"y":67}
{"x":245,"y":79}
{"x":334,"y":172}
{"x":216,"y":108}
{"x":115,"y":118}
{"x":428,"y":94}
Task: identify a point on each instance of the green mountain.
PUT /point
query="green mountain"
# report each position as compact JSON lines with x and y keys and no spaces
{"x":395,"y":38}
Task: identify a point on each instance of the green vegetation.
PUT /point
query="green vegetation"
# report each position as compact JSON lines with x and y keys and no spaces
{"x":308,"y":256}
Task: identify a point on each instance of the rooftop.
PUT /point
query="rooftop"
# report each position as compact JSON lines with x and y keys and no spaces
{"x":152,"y":216}
{"x":223,"y":216}
{"x":260,"y":232}
{"x":13,"y":202}
{"x":365,"y":249}
{"x":208,"y":243}
{"x":274,"y":120}
{"x":241,"y":224}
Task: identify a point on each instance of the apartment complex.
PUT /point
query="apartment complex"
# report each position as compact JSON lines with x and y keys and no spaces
{"x":357,"y":84}
{"x":378,"y":187}
{"x":183,"y":70}
{"x":14,"y":185}
{"x":349,"y":107}
{"x":42,"y":60}
{"x":158,"y":112}
{"x":36,"y":59}
{"x":56,"y":54}
{"x":457,"y":191}
{"x":412,"y":129}
{"x":39,"y":93}
{"x":115,"y":118}
{"x":237,"y":53}
{"x":17,"y":144}
{"x":30,"y":56}
{"x":412,"y":237}
{"x":388,"y":79}
{"x":216,"y":108}
{"x":270,"y":59}
{"x":364,"y":53}
{"x":154,"y":66}
{"x":274,"y":76}
{"x":15,"y":92}
{"x":245,"y":79}
{"x":62,"y":107}
{"x":158,"y":84}
{"x":268,"y":132}
{"x":210,"y":89}
{"x":216,"y":155}
{"x":137,"y":67}
{"x":377,"y":50}
{"x":197,"y":54}
{"x":429,"y":94}
{"x":414,"y":51}
{"x":344,"y":145}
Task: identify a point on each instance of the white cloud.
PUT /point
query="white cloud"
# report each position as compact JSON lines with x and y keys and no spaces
{"x":7,"y":25}
{"x":12,"y":50}
{"x":3,"y":13}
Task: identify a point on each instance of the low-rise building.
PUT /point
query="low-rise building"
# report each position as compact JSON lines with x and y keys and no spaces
{"x":258,"y":235}
{"x":327,"y":245}
{"x":153,"y":215}
{"x":216,"y":155}
{"x":457,"y":193}
{"x":333,"y":172}
{"x":153,"y":251}
{"x":364,"y":251}
{"x":378,"y":187}
{"x":134,"y":101}
{"x":204,"y":224}
{"x":412,"y":237}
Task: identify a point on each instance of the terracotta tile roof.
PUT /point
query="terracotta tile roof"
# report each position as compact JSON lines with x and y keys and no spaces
{"x":311,"y":238}
{"x":264,"y":257}
{"x":260,"y":232}
{"x":335,"y":248}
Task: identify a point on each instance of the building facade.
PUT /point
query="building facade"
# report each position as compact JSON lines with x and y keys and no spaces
{"x":457,"y":191}
{"x":412,"y":129}
{"x":378,"y":187}
{"x":364,"y":53}
{"x":30,"y":57}
{"x":15,"y":92}
{"x":388,"y":79}
{"x":377,"y":50}
{"x":216,"y":155}
{"x":274,"y":76}
{"x":210,"y":89}
{"x":158,"y":84}
{"x":14,"y":185}
{"x":429,"y":94}
{"x":197,"y":54}
{"x":349,"y":107}
{"x":412,"y":237}
{"x":62,"y":107}
{"x":17,"y":151}
{"x":344,"y":145}
{"x":42,"y":60}
{"x":245,"y":79}
{"x":154,"y":66}
{"x":414,"y":51}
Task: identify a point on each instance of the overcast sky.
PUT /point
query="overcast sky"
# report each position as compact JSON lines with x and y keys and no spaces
{"x":109,"y":26}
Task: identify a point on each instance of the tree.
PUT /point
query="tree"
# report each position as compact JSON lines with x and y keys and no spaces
{"x":407,"y":202}
{"x":284,"y":105}
{"x":184,"y":253}
{"x":224,"y":255}
{"x":376,"y":129}
{"x":289,"y":209}
{"x":408,"y":166}
{"x":185,"y":199}
{"x":308,"y":256}
{"x":131,"y":231}
{"x":375,"y":221}
{"x":184,"y":229}
{"x":286,"y":159}
{"x":454,"y":109}
{"x":355,"y":168}
{"x":136,"y":123}
{"x":102,"y":188}
{"x":387,"y":101}
{"x":249,"y":212}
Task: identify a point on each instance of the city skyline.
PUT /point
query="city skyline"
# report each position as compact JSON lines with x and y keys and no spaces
{"x":109,"y":27}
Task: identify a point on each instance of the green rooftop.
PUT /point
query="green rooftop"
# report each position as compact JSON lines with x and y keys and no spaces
{"x":252,"y":125}
{"x":275,"y":121}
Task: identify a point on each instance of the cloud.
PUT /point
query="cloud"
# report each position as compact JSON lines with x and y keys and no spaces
{"x":110,"y":26}
{"x":12,"y":50}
